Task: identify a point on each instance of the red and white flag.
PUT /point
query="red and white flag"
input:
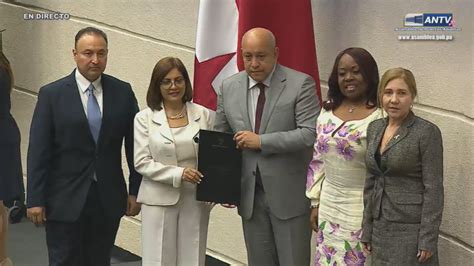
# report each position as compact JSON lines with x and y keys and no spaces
{"x":221,"y":24}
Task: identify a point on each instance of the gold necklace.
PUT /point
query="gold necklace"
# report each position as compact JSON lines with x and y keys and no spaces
{"x":178,"y":115}
{"x":351,"y":109}
{"x":390,"y":138}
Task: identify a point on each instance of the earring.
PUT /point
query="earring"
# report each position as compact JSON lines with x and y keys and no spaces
{"x":411,"y":106}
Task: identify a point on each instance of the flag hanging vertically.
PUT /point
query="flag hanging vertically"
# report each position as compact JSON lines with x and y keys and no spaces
{"x":221,"y":24}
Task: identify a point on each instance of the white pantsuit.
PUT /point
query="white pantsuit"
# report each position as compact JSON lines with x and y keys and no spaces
{"x":174,"y":224}
{"x":177,"y":234}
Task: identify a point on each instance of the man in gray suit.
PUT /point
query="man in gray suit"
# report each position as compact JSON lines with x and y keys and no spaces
{"x":272,"y":110}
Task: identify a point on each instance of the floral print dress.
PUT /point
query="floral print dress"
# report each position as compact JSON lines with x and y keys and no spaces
{"x":335,"y":181}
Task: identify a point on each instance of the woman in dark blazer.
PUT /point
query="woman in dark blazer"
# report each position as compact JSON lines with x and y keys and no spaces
{"x":403,"y":193}
{"x":11,"y":180}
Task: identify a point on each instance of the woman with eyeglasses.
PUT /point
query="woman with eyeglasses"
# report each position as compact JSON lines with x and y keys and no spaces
{"x":11,"y":178}
{"x":174,"y":224}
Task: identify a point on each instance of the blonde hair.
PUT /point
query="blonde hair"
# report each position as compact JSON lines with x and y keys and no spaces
{"x":397,"y":73}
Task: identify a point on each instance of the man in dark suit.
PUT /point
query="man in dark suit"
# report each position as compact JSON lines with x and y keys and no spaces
{"x":272,"y":110}
{"x":75,"y":183}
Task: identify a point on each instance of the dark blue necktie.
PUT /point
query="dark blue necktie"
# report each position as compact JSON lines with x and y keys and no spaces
{"x":93,"y":113}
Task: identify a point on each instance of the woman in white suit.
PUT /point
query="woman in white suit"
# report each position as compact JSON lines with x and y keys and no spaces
{"x":174,"y":224}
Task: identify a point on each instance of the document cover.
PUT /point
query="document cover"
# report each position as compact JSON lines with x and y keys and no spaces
{"x":220,"y":162}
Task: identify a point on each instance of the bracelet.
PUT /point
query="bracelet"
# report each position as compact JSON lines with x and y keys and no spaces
{"x":314,"y":206}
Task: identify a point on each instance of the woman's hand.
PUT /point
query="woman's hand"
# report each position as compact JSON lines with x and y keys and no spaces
{"x":367,"y":248}
{"x":313,"y":218}
{"x":423,"y":255}
{"x":192,"y":175}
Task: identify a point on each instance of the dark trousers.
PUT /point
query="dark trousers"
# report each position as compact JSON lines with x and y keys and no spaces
{"x":85,"y":242}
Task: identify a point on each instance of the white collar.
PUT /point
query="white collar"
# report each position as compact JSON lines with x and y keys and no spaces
{"x":84,"y":83}
{"x":267,"y":81}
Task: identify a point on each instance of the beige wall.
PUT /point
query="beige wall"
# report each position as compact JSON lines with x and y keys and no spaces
{"x":142,"y":31}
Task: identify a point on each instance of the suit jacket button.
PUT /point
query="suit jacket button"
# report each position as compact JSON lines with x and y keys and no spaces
{"x":253,"y":173}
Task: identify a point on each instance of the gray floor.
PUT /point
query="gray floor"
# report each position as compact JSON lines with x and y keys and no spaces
{"x":26,"y":246}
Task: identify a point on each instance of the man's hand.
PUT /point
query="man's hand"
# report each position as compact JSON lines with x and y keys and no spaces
{"x":133,"y":207}
{"x":367,"y":248}
{"x":37,"y":215}
{"x":423,"y":255}
{"x":247,"y":140}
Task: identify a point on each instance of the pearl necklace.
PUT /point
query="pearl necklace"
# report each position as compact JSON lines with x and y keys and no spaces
{"x":178,"y":115}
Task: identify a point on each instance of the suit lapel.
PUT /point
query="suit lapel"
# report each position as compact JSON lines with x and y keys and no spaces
{"x":402,"y":131}
{"x":242,"y":98}
{"x":277,"y":84}
{"x":76,"y":106}
{"x":107,"y":105}
{"x":159,"y":117}
{"x":193,"y":117}
{"x":376,"y":139}
{"x":401,"y":134}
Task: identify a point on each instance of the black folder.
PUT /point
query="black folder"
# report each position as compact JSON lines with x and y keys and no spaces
{"x":221,"y":163}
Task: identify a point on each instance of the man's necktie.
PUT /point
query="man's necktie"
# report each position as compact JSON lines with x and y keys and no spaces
{"x":93,"y":113}
{"x":260,"y":104}
{"x":258,"y":119}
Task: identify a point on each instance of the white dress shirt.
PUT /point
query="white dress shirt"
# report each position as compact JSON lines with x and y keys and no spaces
{"x":83,"y":84}
{"x":252,"y":96}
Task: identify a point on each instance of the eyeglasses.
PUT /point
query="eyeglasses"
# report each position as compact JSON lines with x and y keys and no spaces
{"x":168,"y":83}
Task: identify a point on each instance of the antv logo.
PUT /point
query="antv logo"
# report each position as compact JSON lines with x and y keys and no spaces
{"x":429,"y":20}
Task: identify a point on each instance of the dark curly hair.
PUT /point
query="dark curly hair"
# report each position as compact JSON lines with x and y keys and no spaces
{"x":370,"y":73}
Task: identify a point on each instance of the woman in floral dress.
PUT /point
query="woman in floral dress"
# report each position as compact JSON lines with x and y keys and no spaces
{"x":336,"y":175}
